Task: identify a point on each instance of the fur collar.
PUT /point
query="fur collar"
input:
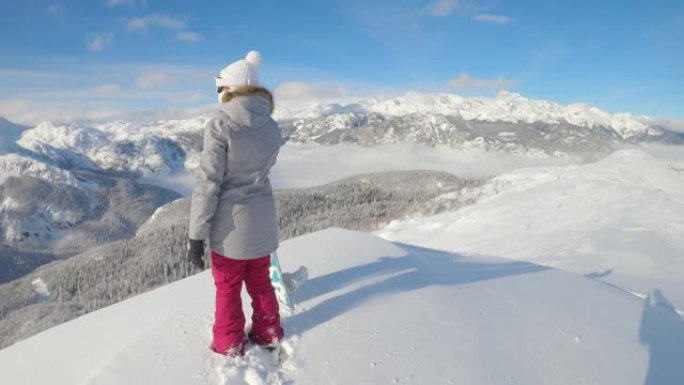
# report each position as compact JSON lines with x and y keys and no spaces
{"x":227,"y":96}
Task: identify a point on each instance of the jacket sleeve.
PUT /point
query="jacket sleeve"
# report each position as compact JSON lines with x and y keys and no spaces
{"x":208,"y":185}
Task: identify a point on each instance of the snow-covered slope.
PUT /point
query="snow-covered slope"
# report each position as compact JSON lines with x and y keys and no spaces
{"x":14,"y":164}
{"x":621,"y":219}
{"x":9,"y":133}
{"x":377,"y":313}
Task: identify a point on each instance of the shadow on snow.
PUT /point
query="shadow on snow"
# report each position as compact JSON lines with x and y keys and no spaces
{"x":662,"y":330}
{"x":419,"y":268}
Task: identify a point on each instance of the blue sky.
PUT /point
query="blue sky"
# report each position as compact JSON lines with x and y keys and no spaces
{"x":91,"y":59}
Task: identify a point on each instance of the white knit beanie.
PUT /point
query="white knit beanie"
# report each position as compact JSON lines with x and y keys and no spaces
{"x":241,"y":73}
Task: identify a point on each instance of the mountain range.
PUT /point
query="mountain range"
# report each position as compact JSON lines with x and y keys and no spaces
{"x":509,"y":123}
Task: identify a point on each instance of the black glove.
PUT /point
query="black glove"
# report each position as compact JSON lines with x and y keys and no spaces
{"x":195,"y":253}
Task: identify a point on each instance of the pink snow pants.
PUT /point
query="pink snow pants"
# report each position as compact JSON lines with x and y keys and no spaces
{"x":229,"y":322}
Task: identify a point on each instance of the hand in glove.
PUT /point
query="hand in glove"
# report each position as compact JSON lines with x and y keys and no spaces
{"x":195,"y":253}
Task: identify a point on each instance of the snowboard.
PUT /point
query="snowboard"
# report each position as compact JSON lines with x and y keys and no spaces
{"x":278,"y":282}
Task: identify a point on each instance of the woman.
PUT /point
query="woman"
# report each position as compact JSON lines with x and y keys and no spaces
{"x":233,"y":207}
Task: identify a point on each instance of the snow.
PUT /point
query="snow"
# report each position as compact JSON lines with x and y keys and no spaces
{"x":82,"y":138}
{"x":9,"y":133}
{"x":151,"y":148}
{"x":9,"y":204}
{"x":139,"y":130}
{"x":41,"y":289}
{"x":375,"y":312}
{"x":19,"y":165}
{"x":506,"y":107}
{"x":72,"y":137}
{"x":620,"y":219}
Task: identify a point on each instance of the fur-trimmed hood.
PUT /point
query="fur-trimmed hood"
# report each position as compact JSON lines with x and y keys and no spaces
{"x":227,"y":96}
{"x":248,"y":106}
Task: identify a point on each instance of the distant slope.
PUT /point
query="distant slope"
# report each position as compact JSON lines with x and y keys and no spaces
{"x":507,"y":107}
{"x":508,"y":123}
{"x":9,"y":134}
{"x":373,"y":313}
{"x":38,"y":215}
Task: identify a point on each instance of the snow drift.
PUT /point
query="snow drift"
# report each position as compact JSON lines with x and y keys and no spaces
{"x":619,"y":219}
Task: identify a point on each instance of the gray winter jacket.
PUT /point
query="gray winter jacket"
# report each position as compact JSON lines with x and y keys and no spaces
{"x":232,"y":203}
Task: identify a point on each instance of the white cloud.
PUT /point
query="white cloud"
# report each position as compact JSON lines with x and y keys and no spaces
{"x":671,"y":124}
{"x":31,"y":112}
{"x":492,"y":18}
{"x":186,"y":97}
{"x":442,"y":8}
{"x":166,"y":22}
{"x":10,"y":107}
{"x":297,"y":93}
{"x":114,"y":3}
{"x":107,"y":89}
{"x":464,"y":81}
{"x":549,"y":54}
{"x":155,"y":79}
{"x":158,"y":20}
{"x":13,"y":73}
{"x":103,"y":92}
{"x":189,"y":37}
{"x":98,"y":42}
{"x":467,"y":8}
{"x":174,"y":112}
{"x":55,"y":10}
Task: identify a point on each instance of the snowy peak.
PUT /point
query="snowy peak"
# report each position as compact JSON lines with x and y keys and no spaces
{"x":508,"y":123}
{"x":65,"y":145}
{"x":506,"y":107}
{"x":145,"y":148}
{"x":68,"y":137}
